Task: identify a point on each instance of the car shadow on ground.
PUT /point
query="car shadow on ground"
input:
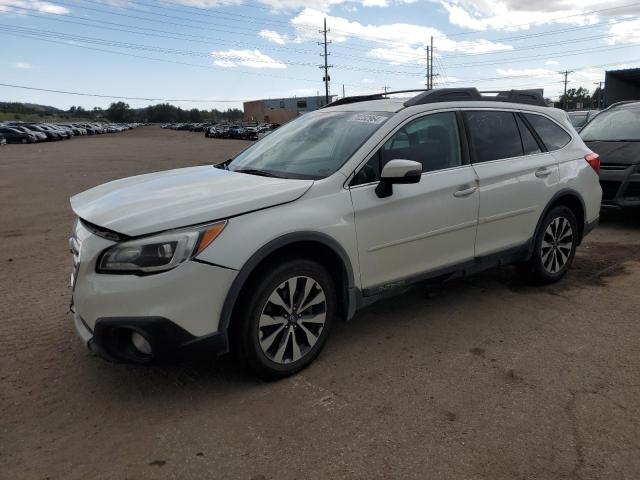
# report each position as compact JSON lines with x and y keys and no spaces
{"x":594,"y":264}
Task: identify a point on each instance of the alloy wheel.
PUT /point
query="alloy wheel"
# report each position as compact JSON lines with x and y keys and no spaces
{"x":292,"y":320}
{"x":557,"y":245}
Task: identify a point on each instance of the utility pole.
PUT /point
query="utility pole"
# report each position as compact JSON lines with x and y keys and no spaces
{"x":566,"y":100}
{"x":430,"y":75}
{"x":326,"y":66}
{"x":343,"y":95}
{"x":428,"y":70}
{"x":601,"y":96}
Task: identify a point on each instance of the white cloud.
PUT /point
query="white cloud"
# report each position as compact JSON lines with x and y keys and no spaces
{"x":14,"y":6}
{"x":552,"y":62}
{"x":278,"y":38}
{"x":22,"y":65}
{"x":375,"y":3}
{"x":520,"y":14}
{"x":625,"y":31}
{"x":398,"y":43}
{"x":245,"y":58}
{"x":273,"y":36}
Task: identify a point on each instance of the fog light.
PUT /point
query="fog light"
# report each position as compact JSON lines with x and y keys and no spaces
{"x":141,"y":343}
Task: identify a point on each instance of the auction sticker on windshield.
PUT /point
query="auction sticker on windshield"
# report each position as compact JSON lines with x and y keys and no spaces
{"x":367,"y":118}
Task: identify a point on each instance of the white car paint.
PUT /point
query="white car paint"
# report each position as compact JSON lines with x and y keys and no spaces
{"x":449,"y":217}
{"x":159,"y":201}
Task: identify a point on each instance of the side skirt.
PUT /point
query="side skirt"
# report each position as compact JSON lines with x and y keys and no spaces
{"x":478,"y":264}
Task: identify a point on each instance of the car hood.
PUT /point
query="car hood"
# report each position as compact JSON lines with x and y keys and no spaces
{"x":620,"y":153}
{"x":176,"y":198}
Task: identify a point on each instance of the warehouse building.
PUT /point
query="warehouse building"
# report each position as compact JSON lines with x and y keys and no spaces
{"x":281,"y":110}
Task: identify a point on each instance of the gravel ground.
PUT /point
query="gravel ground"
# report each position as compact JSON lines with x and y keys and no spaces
{"x":481,"y":378}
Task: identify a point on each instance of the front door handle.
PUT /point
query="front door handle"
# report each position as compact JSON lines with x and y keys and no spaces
{"x":543,"y":172}
{"x":465,"y":191}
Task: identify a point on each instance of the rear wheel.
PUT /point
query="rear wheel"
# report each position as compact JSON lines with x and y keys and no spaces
{"x":287,"y":318}
{"x":555,"y":246}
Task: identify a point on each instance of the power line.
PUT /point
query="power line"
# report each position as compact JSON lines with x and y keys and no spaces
{"x":36,"y":33}
{"x":398,"y":54}
{"x":542,"y":22}
{"x":82,"y":94}
{"x":144,"y":31}
{"x":562,"y":53}
{"x":350,"y":34}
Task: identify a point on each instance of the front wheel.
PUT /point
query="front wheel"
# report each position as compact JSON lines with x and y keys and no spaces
{"x":287,"y":318}
{"x":555,"y":246}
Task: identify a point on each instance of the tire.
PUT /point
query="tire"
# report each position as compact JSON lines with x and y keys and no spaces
{"x":554,"y":248}
{"x":277,"y":339}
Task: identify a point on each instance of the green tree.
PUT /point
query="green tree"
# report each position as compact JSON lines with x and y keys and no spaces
{"x":119,"y":112}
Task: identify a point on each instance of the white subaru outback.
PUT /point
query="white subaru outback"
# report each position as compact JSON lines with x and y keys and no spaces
{"x":330,"y":212}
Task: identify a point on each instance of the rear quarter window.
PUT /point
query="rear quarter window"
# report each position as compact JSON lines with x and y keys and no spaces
{"x":553,"y":136}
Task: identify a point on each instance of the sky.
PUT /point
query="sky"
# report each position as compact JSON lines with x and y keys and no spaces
{"x":218,"y":53}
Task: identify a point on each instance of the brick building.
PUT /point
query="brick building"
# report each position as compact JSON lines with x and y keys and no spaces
{"x":280,"y":110}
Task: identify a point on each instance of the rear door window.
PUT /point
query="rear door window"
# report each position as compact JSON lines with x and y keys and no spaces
{"x":529,"y":143}
{"x":553,"y":136}
{"x":494,"y":135}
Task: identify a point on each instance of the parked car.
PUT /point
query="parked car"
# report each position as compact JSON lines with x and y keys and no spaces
{"x":251,"y":133}
{"x":52,"y":135}
{"x":64,"y":133}
{"x":580,"y":118}
{"x":40,"y":136}
{"x":236,"y":132}
{"x":615,"y":135}
{"x":13,"y":135}
{"x":332,"y":211}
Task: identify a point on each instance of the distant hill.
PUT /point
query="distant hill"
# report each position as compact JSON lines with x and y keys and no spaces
{"x":19,"y":107}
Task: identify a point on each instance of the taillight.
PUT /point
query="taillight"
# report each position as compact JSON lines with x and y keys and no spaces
{"x":593,"y":159}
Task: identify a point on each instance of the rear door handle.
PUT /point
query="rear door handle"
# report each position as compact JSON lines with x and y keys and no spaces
{"x":465,"y":191}
{"x":543,"y":172}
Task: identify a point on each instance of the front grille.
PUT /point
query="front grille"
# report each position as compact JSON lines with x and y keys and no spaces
{"x":614,"y":167}
{"x":633,"y":190}
{"x":609,"y":189}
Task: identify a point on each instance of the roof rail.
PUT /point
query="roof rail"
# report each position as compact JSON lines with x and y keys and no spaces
{"x":365,"y":98}
{"x":528,"y":97}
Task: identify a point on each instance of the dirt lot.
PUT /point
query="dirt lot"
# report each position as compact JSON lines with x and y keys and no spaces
{"x":483,"y":378}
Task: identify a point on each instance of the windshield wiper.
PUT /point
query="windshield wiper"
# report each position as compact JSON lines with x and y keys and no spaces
{"x":255,"y":171}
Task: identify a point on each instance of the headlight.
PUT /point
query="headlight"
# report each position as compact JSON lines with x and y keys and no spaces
{"x":160,"y":252}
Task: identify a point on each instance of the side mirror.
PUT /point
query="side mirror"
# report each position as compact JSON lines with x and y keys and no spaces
{"x":398,"y":172}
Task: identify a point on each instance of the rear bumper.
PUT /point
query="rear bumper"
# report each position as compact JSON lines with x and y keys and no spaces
{"x":111,"y":340}
{"x":620,"y":188}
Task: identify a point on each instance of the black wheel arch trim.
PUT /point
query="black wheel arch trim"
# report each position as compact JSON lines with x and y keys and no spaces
{"x":249,"y":267}
{"x":561,"y":193}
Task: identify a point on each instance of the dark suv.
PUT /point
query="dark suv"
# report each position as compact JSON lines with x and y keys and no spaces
{"x":615,"y":135}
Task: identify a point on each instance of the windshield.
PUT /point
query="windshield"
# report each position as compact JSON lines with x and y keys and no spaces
{"x":578,"y":119}
{"x":313,"y":146}
{"x":620,"y":123}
